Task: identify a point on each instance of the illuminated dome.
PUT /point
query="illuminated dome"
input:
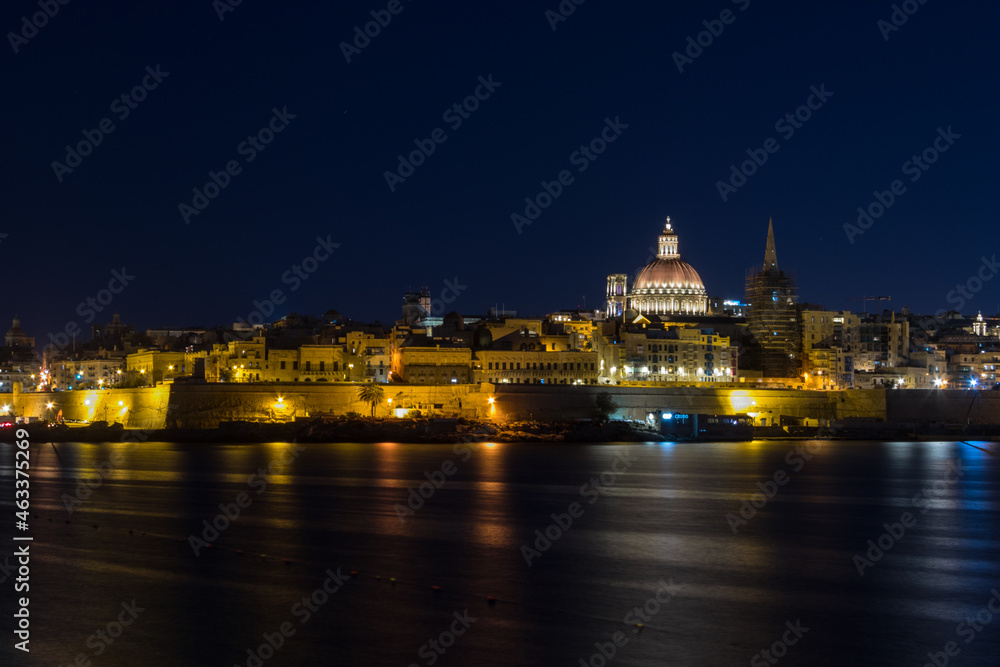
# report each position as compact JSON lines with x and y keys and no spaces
{"x":670,"y":273}
{"x":665,"y":286}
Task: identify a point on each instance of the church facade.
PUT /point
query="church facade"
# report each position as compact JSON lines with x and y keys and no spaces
{"x":666,"y":286}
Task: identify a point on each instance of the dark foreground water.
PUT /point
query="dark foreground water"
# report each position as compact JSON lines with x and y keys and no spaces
{"x":653,"y":536}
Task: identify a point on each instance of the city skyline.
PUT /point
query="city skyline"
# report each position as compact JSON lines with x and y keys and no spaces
{"x":94,"y":312}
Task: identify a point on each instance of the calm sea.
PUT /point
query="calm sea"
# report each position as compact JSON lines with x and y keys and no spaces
{"x":721,"y":551}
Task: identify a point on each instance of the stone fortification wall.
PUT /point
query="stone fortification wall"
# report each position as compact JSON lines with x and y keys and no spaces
{"x":189,"y":405}
{"x":205,"y":405}
{"x":923,"y":406}
{"x":540,"y":402}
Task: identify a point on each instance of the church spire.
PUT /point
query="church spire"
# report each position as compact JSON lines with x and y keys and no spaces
{"x":770,"y":254}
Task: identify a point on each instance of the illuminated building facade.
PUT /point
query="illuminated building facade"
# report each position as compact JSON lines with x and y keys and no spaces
{"x":688,"y":355}
{"x":979,"y":327}
{"x":828,"y":340}
{"x":440,"y":364}
{"x":156,"y":365}
{"x":535,"y":367}
{"x":85,"y":371}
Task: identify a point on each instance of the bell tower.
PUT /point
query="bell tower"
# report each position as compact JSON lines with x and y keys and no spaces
{"x":668,"y":243}
{"x":617,"y":292}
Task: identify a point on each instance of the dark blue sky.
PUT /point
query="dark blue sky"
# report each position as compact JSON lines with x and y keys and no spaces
{"x":323,"y":175}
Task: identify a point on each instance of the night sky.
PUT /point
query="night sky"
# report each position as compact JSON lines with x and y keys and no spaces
{"x":448,"y":225}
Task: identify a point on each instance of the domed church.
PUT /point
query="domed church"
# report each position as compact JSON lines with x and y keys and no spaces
{"x":666,"y":286}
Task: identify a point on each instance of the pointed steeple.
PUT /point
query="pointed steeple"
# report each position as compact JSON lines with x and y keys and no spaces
{"x":770,"y":254}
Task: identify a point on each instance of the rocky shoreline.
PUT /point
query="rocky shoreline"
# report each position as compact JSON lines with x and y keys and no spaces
{"x":366,"y":430}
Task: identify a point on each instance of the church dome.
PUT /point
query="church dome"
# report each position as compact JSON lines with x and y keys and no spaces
{"x":668,"y":273}
{"x":16,"y":337}
{"x":665,"y":286}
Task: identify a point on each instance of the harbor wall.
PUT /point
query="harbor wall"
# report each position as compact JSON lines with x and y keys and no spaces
{"x":925,"y":406}
{"x":190,"y":405}
{"x":577,"y":402}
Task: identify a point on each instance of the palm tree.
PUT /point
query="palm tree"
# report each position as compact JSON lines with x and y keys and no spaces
{"x":372,"y":394}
